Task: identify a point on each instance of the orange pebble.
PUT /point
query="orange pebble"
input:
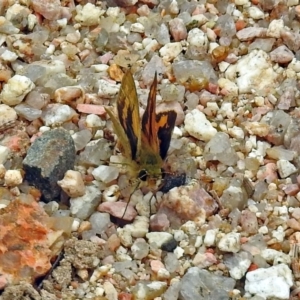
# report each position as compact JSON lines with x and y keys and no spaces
{"x":240,"y":24}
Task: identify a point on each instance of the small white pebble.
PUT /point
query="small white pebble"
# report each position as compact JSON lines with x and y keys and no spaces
{"x":44,"y":129}
{"x":275,"y":27}
{"x":230,"y":242}
{"x":179,"y":235}
{"x":255,"y":13}
{"x":13,"y":177}
{"x":179,"y":252}
{"x":285,"y":168}
{"x":280,"y":210}
{"x":75,"y":224}
{"x":62,"y":22}
{"x":199,"y":241}
{"x":263,"y":230}
{"x":15,"y":90}
{"x":9,"y":56}
{"x":111,"y":193}
{"x":210,"y":237}
{"x":99,"y":291}
{"x":137,"y":27}
{"x":278,"y":234}
{"x":170,"y":51}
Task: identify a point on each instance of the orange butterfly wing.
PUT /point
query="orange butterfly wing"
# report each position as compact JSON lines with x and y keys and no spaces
{"x":127,"y":126}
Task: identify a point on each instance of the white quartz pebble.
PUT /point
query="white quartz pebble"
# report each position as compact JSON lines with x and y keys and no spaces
{"x":198,"y":126}
{"x":16,"y":89}
{"x":72,"y":184}
{"x":270,"y":283}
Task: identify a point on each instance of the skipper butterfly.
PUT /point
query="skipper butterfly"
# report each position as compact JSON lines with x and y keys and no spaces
{"x":143,"y":142}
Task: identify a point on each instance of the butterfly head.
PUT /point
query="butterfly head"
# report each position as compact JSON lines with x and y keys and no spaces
{"x":151,"y":178}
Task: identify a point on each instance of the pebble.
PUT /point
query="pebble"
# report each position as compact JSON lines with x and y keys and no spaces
{"x":107,"y":89}
{"x":275,"y":257}
{"x":7,"y":115}
{"x":88,"y":15}
{"x":47,"y":160}
{"x":177,"y":29}
{"x":68,"y":94}
{"x":282,"y":55}
{"x":197,"y":125}
{"x":273,"y":282}
{"x":99,"y":222}
{"x":72,"y":184}
{"x":50,"y":10}
{"x":210,"y":237}
{"x":148,"y":290}
{"x":139,"y":228}
{"x":204,"y":260}
{"x":257,"y":128}
{"x":140,"y":248}
{"x":255,"y":13}
{"x":170,"y":51}
{"x":28,"y":112}
{"x":82,"y":207}
{"x":81,"y":138}
{"x":9,"y":56}
{"x":106,"y":174}
{"x":110,"y":291}
{"x":162,"y":34}
{"x":230,"y":242}
{"x":259,"y":72}
{"x":56,"y":114}
{"x":285,"y":168}
{"x":237,"y":264}
{"x":159,"y":222}
{"x":15,"y":90}
{"x":197,"y":38}
{"x":275,"y":28}
{"x":159,"y":238}
{"x":91,"y":109}
{"x":117,"y":210}
{"x":219,"y":148}
{"x":137,"y":27}
{"x":202,"y":285}
{"x":249,"y":33}
{"x":111,"y":193}
{"x":170,"y":245}
{"x":13,"y":178}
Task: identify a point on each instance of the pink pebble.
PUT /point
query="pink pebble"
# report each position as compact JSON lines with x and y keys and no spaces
{"x":156,"y":265}
{"x":159,"y":222}
{"x":117,"y":209}
{"x":91,"y":109}
{"x":291,"y":189}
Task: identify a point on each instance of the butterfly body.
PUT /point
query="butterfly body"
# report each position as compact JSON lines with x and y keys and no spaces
{"x":144,"y":143}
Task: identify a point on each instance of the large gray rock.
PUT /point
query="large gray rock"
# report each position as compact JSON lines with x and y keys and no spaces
{"x":47,"y":160}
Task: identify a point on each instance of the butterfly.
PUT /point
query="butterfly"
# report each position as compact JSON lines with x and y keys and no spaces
{"x":144,"y":142}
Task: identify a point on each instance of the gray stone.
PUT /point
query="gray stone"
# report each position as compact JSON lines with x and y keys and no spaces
{"x":47,"y":160}
{"x":172,"y":291}
{"x":95,"y":153}
{"x":199,"y":284}
{"x":82,"y":207}
{"x":99,"y":222}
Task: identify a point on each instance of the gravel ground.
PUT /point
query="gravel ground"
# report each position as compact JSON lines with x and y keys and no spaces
{"x":226,"y":223}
